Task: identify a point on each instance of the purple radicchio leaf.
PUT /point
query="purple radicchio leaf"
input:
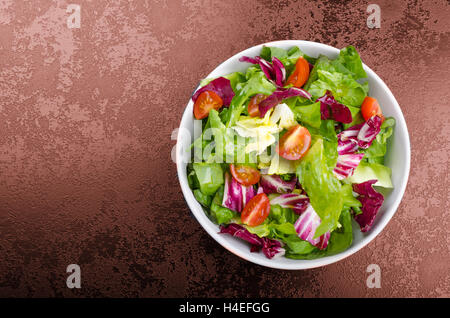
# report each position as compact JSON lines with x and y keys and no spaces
{"x":275,"y":72}
{"x":346,"y":165}
{"x":359,"y":136}
{"x":241,"y":232}
{"x":272,"y":183}
{"x":266,"y":67}
{"x":297,"y":202}
{"x":279,"y":70}
{"x":371,"y":201}
{"x":235,"y":195}
{"x":369,"y":131}
{"x":331,"y":109}
{"x":221,"y":86}
{"x":278,"y":96}
{"x":347,"y":146}
{"x":270,"y":248}
{"x":306,"y":226}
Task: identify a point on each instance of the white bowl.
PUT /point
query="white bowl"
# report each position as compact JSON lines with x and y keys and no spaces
{"x":397,"y":158}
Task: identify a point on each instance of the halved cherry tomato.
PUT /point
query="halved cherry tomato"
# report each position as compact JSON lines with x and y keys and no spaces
{"x":300,"y":75}
{"x":256,"y":210}
{"x":245,"y":175}
{"x":205,"y":102}
{"x":370,"y":107}
{"x":253,"y":106}
{"x":294,"y":143}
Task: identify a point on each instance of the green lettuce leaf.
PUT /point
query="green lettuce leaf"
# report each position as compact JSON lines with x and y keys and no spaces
{"x":357,"y":117}
{"x":345,"y":88}
{"x":323,"y":63}
{"x":377,"y":150}
{"x":350,"y":58}
{"x":209,"y":176}
{"x":330,"y":142}
{"x":235,"y":78}
{"x":204,"y":199}
{"x":267,"y":52}
{"x":340,"y":240}
{"x":220,"y":214}
{"x":308,"y":114}
{"x":262,"y":230}
{"x":349,"y":201}
{"x":228,"y":146}
{"x":273,"y":230}
{"x":256,"y":83}
{"x":372,"y":171}
{"x":284,"y":228}
{"x":192,"y":178}
{"x":348,"y":62}
{"x":296,"y":247}
{"x":322,"y":187}
{"x":281,"y":215}
{"x":287,"y":57}
{"x":278,"y":225}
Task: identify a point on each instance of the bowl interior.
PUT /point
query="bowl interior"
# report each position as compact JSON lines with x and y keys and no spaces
{"x":397,"y":158}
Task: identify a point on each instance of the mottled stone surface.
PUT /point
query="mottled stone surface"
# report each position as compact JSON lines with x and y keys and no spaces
{"x":86,"y":117}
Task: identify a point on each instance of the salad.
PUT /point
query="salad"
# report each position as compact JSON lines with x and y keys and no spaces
{"x":290,"y":152}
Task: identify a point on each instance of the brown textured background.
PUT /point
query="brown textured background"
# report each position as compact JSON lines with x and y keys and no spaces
{"x":86,"y":117}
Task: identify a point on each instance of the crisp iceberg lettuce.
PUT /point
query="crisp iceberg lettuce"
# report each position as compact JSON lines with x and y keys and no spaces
{"x":279,"y":165}
{"x":262,"y":131}
{"x":209,"y":176}
{"x":372,"y":171}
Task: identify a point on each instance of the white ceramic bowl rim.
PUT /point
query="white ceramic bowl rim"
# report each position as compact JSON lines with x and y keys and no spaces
{"x":401,"y":163}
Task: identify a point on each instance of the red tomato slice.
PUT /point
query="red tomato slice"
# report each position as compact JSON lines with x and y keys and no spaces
{"x":245,"y":175}
{"x":301,"y":73}
{"x":205,"y":102}
{"x":370,"y":107}
{"x":253,"y":105}
{"x":256,"y":210}
{"x":294,"y":143}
